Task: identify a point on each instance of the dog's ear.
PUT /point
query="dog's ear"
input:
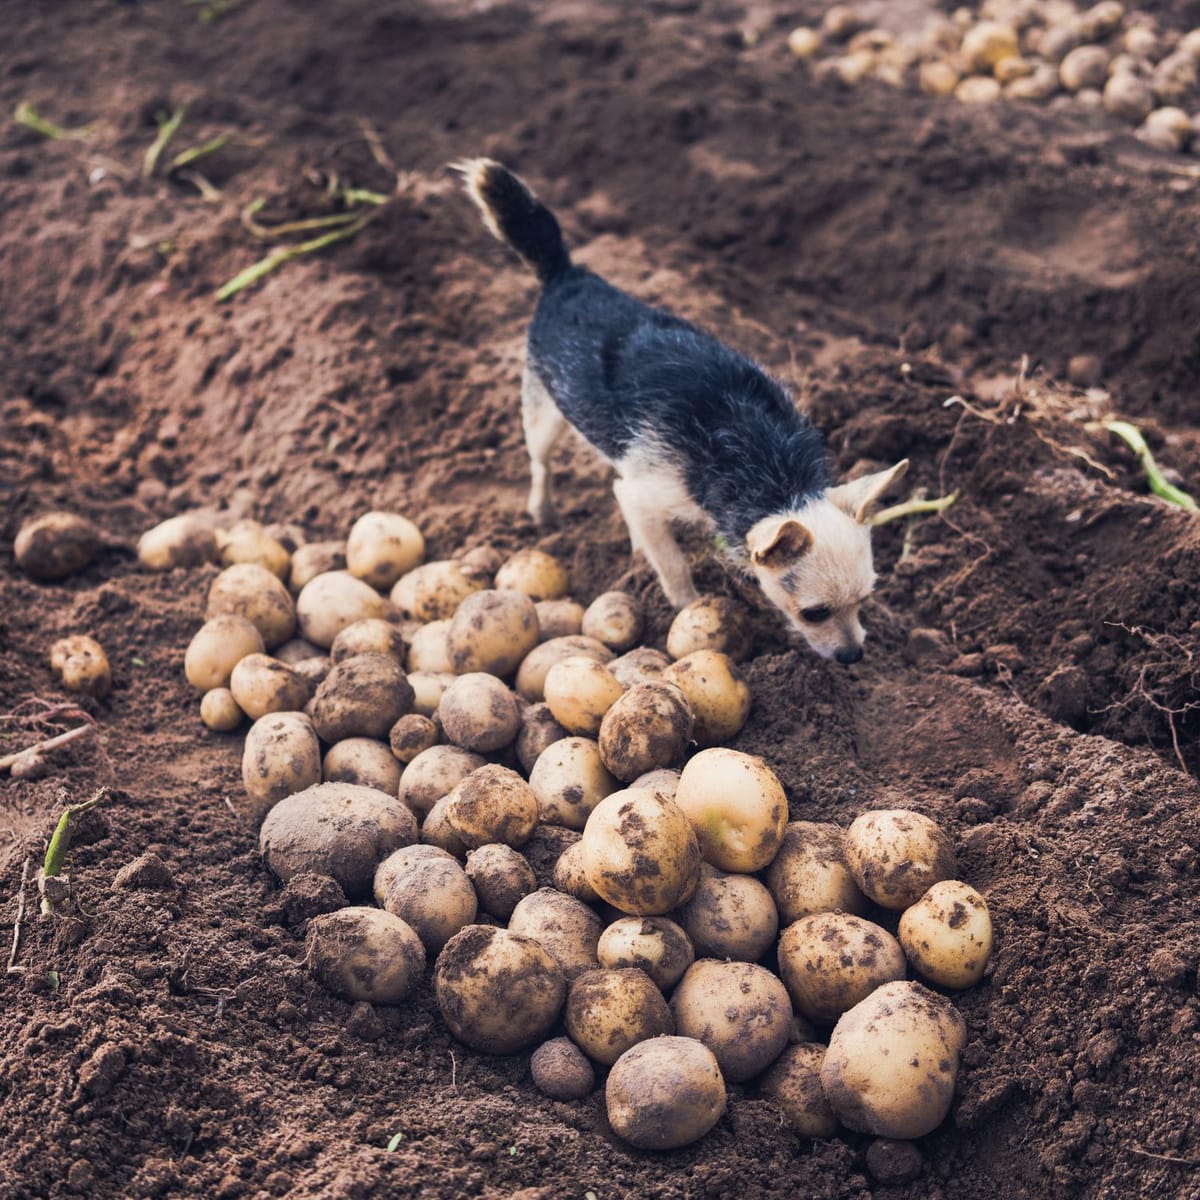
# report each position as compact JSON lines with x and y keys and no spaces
{"x":777,"y":543}
{"x":857,"y":496}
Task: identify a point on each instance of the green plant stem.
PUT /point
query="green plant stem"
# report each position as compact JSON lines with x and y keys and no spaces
{"x":28,"y":116}
{"x":60,"y":841}
{"x":167,"y":128}
{"x":185,"y":158}
{"x":912,"y":508}
{"x":1159,"y":484}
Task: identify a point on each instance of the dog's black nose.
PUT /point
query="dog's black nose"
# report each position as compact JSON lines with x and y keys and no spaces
{"x":852,"y":655}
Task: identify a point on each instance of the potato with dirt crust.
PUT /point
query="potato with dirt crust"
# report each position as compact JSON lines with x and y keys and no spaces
{"x":411,"y":735}
{"x":664,"y":1093}
{"x":564,"y":926}
{"x":655,"y":945}
{"x":337,"y":829}
{"x":561,"y":1070}
{"x":216,"y":648}
{"x":363,"y":696}
{"x":246,"y":541}
{"x":364,"y":954}
{"x":497,"y":991}
{"x":313,"y":559}
{"x":539,"y":575}
{"x":329,"y":602}
{"x":615,"y":619}
{"x":477,"y":712}
{"x":80,"y":662}
{"x":434,"y":590}
{"x":947,"y":934}
{"x":738,"y":807}
{"x":55,"y":545}
{"x":492,"y":631}
{"x":381,"y":547}
{"x":183,"y":541}
{"x":641,"y":665}
{"x":831,"y":961}
{"x":428,"y":689}
{"x":435,"y":773}
{"x":492,"y":804}
{"x":501,"y":877}
{"x":609,"y":1011}
{"x":793,"y":1084}
{"x":716,"y":690}
{"x":539,"y":730}
{"x":579,"y":692}
{"x":372,"y":635}
{"x":219,"y":711}
{"x":640,"y":853}
{"x":250,"y":591}
{"x":664,"y":780}
{"x":281,"y":756}
{"x":559,"y":618}
{"x":739,"y":1010}
{"x":893,"y":1060}
{"x":897,"y":855}
{"x":362,"y":760}
{"x":710,"y":623}
{"x":648,"y":727}
{"x":730,"y":916}
{"x":428,"y":650}
{"x":569,"y":779}
{"x":436,"y":831}
{"x":261,"y":684}
{"x":531,"y":675}
{"x":295,"y":651}
{"x":482,"y":563}
{"x":809,"y":873}
{"x":570,"y":877}
{"x":426,"y":887}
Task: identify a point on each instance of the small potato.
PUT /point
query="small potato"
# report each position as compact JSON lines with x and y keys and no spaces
{"x":563,"y":926}
{"x":435,"y":773}
{"x":497,"y":991}
{"x":648,"y":727}
{"x":219,"y":711}
{"x":539,"y":729}
{"x":642,"y":665}
{"x":809,"y":873}
{"x":663,"y":780}
{"x":434,"y":590}
{"x":664,"y":1093}
{"x":716,"y":690}
{"x":710,"y":623}
{"x":482,"y":562}
{"x":793,"y":1084}
{"x":738,"y":807}
{"x":561,"y":1070}
{"x":559,"y":618}
{"x":501,"y":877}
{"x":382,"y":546}
{"x":947,"y":934}
{"x":362,"y":760}
{"x":218,"y":646}
{"x":369,"y":636}
{"x":313,"y":559}
{"x":248,"y":542}
{"x":538,"y":574}
{"x":314,"y":671}
{"x":250,"y":591}
{"x":428,"y":689}
{"x":1084,"y":67}
{"x":569,"y":779}
{"x":492,"y":631}
{"x":261,"y":684}
{"x":571,"y":878}
{"x":531,"y":675}
{"x":365,"y":954}
{"x":427,"y":888}
{"x":730,"y":916}
{"x":640,"y":853}
{"x":81,"y":664}
{"x":436,"y":831}
{"x":610,"y":1011}
{"x":985,"y":44}
{"x":896,"y":855}
{"x":428,"y":650}
{"x":740,"y":1011}
{"x":294,"y":651}
{"x":363,"y":696}
{"x":55,"y":545}
{"x":183,"y":541}
{"x":329,"y":602}
{"x":655,"y":945}
{"x":893,"y":1060}
{"x":831,"y":961}
{"x":579,"y":691}
{"x":492,"y":804}
{"x":336,"y":829}
{"x":479,"y":713}
{"x":281,"y":756}
{"x":411,"y":735}
{"x":616,"y":619}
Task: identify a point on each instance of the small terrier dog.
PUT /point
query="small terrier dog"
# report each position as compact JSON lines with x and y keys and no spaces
{"x":696,"y":432}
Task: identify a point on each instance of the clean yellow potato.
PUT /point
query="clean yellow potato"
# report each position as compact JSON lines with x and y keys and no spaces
{"x":570,"y":877}
{"x":562,"y":925}
{"x":372,"y":635}
{"x":947,"y":934}
{"x":428,"y":650}
{"x":738,"y":808}
{"x":559,"y":618}
{"x":81,"y":664}
{"x":363,"y":696}
{"x":831,"y":961}
{"x":655,"y":945}
{"x":436,"y":831}
{"x":739,"y":1010}
{"x":428,"y":689}
{"x":579,"y":691}
{"x":411,"y":735}
{"x":809,"y":873}
{"x":477,"y":712}
{"x":261,"y":684}
{"x":646,"y":728}
{"x":329,"y":602}
{"x":538,"y":574}
{"x":609,"y":1011}
{"x":569,"y":779}
{"x":664,"y":780}
{"x":710,"y":623}
{"x":381,"y":547}
{"x":896,"y":855}
{"x":492,"y":804}
{"x":427,"y":888}
{"x":893,"y":1060}
{"x":501,"y":877}
{"x":217,"y":647}
{"x":55,"y":545}
{"x":640,"y":665}
{"x":716,"y":690}
{"x":793,"y":1084}
{"x":730,"y":916}
{"x":615,"y":619}
{"x":664,"y":1093}
{"x":561,"y":1070}
{"x":246,"y":541}
{"x":986,"y":43}
{"x":531,"y":675}
{"x":435,"y":773}
{"x":250,"y":591}
{"x":313,"y":559}
{"x":219,"y":711}
{"x":364,"y":954}
{"x":362,"y":760}
{"x":281,"y":756}
{"x":183,"y":541}
{"x":539,"y":729}
{"x":492,"y":631}
{"x":497,"y":991}
{"x":434,"y":590}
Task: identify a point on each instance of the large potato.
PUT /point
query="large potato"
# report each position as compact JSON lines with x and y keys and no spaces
{"x":896,"y":855}
{"x":809,"y":874}
{"x":362,"y":760}
{"x":55,"y":545}
{"x":382,"y":546}
{"x":569,"y":779}
{"x":329,"y":602}
{"x":81,"y":664}
{"x":558,"y":618}
{"x":492,"y":804}
{"x":281,"y":757}
{"x":717,"y":692}
{"x":217,"y":647}
{"x":183,"y":541}
{"x":710,"y":623}
{"x":497,"y":991}
{"x":793,"y":1084}
{"x":562,"y":925}
{"x":434,"y":590}
{"x":365,"y":954}
{"x":363,"y":696}
{"x":250,"y":591}
{"x":579,"y":690}
{"x":539,"y":729}
{"x":261,"y":684}
{"x":531,"y":675}
{"x":435,"y":773}
{"x":893,"y":1060}
{"x":372,"y":635}
{"x":313,"y":559}
{"x":426,"y":887}
{"x":479,"y":713}
{"x":492,"y":631}
{"x":655,"y":945}
{"x":947,"y":934}
{"x":246,"y":541}
{"x":610,"y":1011}
{"x":614,"y":618}
{"x":539,"y":575}
{"x":648,"y":727}
{"x":730,"y":916}
{"x":640,"y":665}
{"x":501,"y":877}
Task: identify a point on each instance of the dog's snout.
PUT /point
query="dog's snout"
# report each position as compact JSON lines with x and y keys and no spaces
{"x":851,"y":654}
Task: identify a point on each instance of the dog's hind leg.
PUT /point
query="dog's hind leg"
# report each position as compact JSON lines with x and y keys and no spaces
{"x":650,"y":532}
{"x":543,"y":424}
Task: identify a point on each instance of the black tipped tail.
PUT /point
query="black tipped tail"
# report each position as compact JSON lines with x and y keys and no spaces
{"x":516,"y":216}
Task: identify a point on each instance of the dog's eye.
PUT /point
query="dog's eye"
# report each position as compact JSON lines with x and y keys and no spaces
{"x":814,"y":616}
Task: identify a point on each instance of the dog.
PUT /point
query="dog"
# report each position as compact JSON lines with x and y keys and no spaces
{"x":695,"y":431}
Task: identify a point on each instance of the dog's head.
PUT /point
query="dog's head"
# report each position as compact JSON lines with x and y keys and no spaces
{"x":815,"y":565}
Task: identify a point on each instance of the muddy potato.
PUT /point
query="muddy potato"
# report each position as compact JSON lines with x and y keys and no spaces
{"x":655,"y":945}
{"x":497,"y":991}
{"x":281,"y":756}
{"x":219,"y":711}
{"x":362,"y":760}
{"x":436,"y":831}
{"x":477,"y":712}
{"x":336,"y":829}
{"x":501,"y":877}
{"x":561,"y":925}
{"x":482,"y":563}
{"x":893,"y":1060}
{"x":615,"y":619}
{"x":426,"y":887}
{"x":314,"y":671}
{"x":363,"y":696}
{"x":296,"y":650}
{"x":364,"y":954}
{"x":561,"y":1070}
{"x":329,"y":602}
{"x":250,"y":591}
{"x":435,"y":773}
{"x":569,"y":779}
{"x":55,"y":545}
{"x":538,"y":574}
{"x":247,"y":541}
{"x":809,"y":873}
{"x":411,"y":735}
{"x":434,"y":590}
{"x":648,"y":727}
{"x":831,"y":961}
{"x":570,"y":877}
{"x":579,"y":691}
{"x":313,"y":559}
{"x":492,"y":804}
{"x":730,"y":916}
{"x":947,"y":934}
{"x":217,"y":647}
{"x":609,"y":1011}
{"x":896,"y":855}
{"x":710,"y":623}
{"x":716,"y":690}
{"x":428,"y":689}
{"x":492,"y":631}
{"x":539,"y":729}
{"x":372,"y":635}
{"x":183,"y":541}
{"x":261,"y":684}
{"x":643,"y":665}
{"x":663,"y":780}
{"x":381,"y":547}
{"x":531,"y":675}
{"x":428,"y":650}
{"x":793,"y":1084}
{"x":81,"y":664}
{"x":664,"y":1093}
{"x":559,"y":618}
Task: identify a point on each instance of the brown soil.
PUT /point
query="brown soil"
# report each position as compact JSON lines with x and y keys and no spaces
{"x":883,"y":252}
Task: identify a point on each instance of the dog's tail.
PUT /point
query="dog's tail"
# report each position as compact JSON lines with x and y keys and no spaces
{"x":516,"y":216}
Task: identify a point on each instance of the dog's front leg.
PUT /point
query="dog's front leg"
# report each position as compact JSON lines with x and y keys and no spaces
{"x":543,"y":423}
{"x":650,"y":532}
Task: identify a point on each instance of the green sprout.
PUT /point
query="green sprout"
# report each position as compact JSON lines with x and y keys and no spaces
{"x":168,"y":126}
{"x":1159,"y":484}
{"x":56,"y":852}
{"x":28,"y":116}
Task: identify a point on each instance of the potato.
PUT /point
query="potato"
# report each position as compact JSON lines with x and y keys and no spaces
{"x":217,"y":647}
{"x":81,"y":664}
{"x":428,"y":650}
{"x":329,"y":602}
{"x":614,"y":618}
{"x":640,"y":853}
{"x":569,"y":780}
{"x":1129,"y":97}
{"x":538,"y":574}
{"x":986,"y":44}
{"x":482,"y":562}
{"x":655,"y":945}
{"x":363,"y":696}
{"x":261,"y":684}
{"x":648,"y":727}
{"x":559,"y":618}
{"x":571,"y":878}
{"x":579,"y":691}
{"x":831,"y":961}
{"x":281,"y":756}
{"x":497,"y":991}
{"x":434,"y":590}
{"x":183,"y":541}
{"x":893,"y":1060}
{"x":427,"y":888}
{"x":804,"y":42}
{"x":55,"y":545}
{"x":250,"y":591}
{"x":642,"y":665}
{"x":938,"y":78}
{"x":428,"y":689}
{"x":492,"y":804}
{"x":477,"y":712}
{"x":381,"y":547}
{"x":294,"y":651}
{"x":947,"y":934}
{"x":435,"y":773}
{"x":219,"y":711}
{"x":362,"y":760}
{"x":1166,"y":129}
{"x":608,"y":1011}
{"x":372,"y":635}
{"x":664,"y":780}
{"x":314,"y":671}
{"x":531,"y":675}
{"x":247,"y":541}
{"x":730,"y":916}
{"x":710,"y":623}
{"x":336,"y":829}
{"x":539,"y":730}
{"x":436,"y":831}
{"x":717,"y":692}
{"x":567,"y":928}
{"x":313,"y":559}
{"x":664,"y":1093}
{"x":364,"y":954}
{"x":738,"y":808}
{"x":501,"y":877}
{"x":793,"y":1084}
{"x":739,"y":1010}
{"x":1084,"y":67}
{"x":896,"y":856}
{"x":809,"y":873}
{"x":561,"y":1070}
{"x":492,"y":631}
{"x":411,"y":735}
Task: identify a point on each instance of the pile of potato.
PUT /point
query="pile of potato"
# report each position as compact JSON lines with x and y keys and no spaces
{"x":1100,"y":57}
{"x":416,"y":723}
